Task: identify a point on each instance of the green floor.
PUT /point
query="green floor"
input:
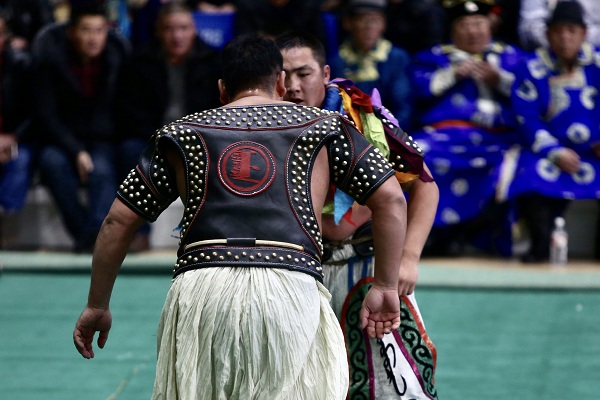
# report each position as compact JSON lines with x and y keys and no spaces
{"x":492,"y":343}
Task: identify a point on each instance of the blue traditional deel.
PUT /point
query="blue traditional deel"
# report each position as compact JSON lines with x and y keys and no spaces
{"x":465,"y":126}
{"x":558,"y":111}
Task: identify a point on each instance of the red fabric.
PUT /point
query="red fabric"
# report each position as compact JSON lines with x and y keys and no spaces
{"x":87,"y":76}
{"x":360,"y":98}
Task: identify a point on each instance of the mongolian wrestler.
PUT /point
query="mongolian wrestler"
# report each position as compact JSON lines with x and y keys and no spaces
{"x":247,"y":316}
{"x":401,"y":366}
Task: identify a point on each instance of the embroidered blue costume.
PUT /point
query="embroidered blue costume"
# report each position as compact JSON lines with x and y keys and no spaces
{"x":466,"y":126}
{"x":557,"y":111}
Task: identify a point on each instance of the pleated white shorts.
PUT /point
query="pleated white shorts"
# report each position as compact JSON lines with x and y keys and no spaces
{"x":249,"y":334}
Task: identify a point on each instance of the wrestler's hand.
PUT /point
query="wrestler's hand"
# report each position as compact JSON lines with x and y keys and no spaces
{"x":409,"y":272}
{"x":380,"y":311}
{"x":90,"y":321}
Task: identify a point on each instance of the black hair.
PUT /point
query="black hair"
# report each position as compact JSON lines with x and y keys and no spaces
{"x":172,"y":8}
{"x":291,"y":40}
{"x":250,"y":61}
{"x":86,"y":8}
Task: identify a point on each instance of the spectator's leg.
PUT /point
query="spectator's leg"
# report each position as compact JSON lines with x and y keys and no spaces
{"x":102,"y":188}
{"x":59,"y":175}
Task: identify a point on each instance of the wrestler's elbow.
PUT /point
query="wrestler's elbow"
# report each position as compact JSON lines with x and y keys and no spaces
{"x":388,"y":196}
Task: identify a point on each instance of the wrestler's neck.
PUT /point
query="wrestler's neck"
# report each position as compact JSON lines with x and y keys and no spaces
{"x":256,"y":96}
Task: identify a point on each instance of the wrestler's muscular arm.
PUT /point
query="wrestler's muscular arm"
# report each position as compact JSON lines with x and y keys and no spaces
{"x":110,"y":250}
{"x":381,"y":308}
{"x":422,"y":205}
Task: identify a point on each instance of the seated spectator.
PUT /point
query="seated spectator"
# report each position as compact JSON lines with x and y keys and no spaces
{"x":76,"y":72}
{"x":25,"y":18}
{"x":15,"y":122}
{"x":462,"y":93}
{"x":371,"y":61}
{"x":415,"y":25}
{"x":274,"y":17}
{"x":534,"y":14}
{"x":556,"y":97}
{"x":173,"y":76}
{"x":144,"y":14}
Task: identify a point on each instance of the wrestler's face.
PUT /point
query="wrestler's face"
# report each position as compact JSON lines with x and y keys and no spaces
{"x":565,"y":40}
{"x":472,"y":33}
{"x":89,"y":35}
{"x":177,"y":33}
{"x":305,"y":79}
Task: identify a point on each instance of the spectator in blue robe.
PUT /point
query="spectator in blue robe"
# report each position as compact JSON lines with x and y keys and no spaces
{"x":556,"y":97}
{"x":465,"y":125}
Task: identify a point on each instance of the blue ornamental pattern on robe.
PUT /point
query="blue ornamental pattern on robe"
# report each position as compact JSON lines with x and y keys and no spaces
{"x":465,"y":126}
{"x":557,"y":110}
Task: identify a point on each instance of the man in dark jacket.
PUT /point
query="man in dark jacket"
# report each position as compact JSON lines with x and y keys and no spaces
{"x":77,"y":66}
{"x":15,"y":122}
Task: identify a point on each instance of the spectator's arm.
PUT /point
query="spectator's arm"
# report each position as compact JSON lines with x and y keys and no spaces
{"x":429,"y":77}
{"x":530,"y":104}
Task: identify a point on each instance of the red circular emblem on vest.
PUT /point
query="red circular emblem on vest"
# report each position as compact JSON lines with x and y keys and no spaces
{"x":246,"y":168}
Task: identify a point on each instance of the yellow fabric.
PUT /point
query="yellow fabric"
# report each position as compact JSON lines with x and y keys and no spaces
{"x":373,"y":131}
{"x":249,"y":333}
{"x":366,"y":62}
{"x":404,"y":177}
{"x":349,"y":109}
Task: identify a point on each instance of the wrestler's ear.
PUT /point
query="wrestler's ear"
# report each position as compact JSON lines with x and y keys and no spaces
{"x":326,"y":74}
{"x":280,"y":88}
{"x":223,"y":92}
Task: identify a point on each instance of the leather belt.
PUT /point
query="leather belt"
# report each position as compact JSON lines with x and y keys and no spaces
{"x":248,"y":253}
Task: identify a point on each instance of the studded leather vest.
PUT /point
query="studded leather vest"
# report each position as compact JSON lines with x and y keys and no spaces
{"x":247,"y":174}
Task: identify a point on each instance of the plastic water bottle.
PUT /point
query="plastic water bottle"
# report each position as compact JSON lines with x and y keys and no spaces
{"x":559,"y":243}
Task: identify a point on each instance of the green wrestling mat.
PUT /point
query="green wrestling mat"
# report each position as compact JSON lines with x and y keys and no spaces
{"x":528,"y":341}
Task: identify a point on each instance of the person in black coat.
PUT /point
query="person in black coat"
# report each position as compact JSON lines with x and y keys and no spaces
{"x":76,"y":71}
{"x":16,"y":150}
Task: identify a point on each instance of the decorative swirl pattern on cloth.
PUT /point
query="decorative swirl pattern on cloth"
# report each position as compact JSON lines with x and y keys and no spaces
{"x":371,"y":368}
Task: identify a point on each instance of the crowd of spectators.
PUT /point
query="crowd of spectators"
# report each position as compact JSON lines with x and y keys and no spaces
{"x":486,"y":87}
